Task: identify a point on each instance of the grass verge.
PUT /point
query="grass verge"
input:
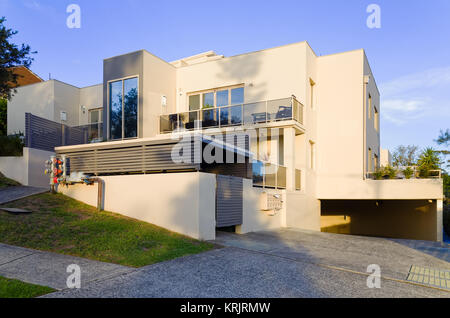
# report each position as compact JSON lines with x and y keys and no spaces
{"x":12,"y":288}
{"x":63,"y":225}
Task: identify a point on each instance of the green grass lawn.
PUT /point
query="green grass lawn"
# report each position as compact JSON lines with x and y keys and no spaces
{"x":5,"y":182}
{"x":12,"y":288}
{"x":63,"y":225}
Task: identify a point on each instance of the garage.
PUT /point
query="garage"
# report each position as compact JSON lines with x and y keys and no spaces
{"x":407,"y":219}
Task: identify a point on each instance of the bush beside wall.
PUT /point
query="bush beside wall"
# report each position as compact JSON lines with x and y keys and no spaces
{"x":11,"y":146}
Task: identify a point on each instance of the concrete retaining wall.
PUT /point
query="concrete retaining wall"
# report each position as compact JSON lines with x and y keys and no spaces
{"x":180,"y":202}
{"x":254,"y":219}
{"x":28,"y":169}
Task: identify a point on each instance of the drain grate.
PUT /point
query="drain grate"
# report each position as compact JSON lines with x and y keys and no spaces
{"x":429,"y":276}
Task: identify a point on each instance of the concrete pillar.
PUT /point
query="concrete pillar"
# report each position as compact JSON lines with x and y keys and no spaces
{"x":439,"y":220}
{"x":289,"y":157}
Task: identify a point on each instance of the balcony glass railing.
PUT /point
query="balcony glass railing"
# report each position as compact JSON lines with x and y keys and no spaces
{"x":268,"y":175}
{"x":235,"y":115}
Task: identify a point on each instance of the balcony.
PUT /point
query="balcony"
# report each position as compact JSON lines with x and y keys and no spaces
{"x":236,"y":115}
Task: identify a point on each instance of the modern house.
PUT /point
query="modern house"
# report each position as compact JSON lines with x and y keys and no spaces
{"x":305,"y":137}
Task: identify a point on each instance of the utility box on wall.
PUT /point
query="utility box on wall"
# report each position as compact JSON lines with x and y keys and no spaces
{"x":271,"y":201}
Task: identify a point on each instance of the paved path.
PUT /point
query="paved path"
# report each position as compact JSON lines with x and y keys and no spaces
{"x":14,"y":193}
{"x":281,"y":263}
{"x":50,"y":269}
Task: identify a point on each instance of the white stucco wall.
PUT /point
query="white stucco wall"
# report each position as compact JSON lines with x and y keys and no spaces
{"x":402,"y":189}
{"x":48,"y":99}
{"x":90,"y":97}
{"x":180,"y":202}
{"x":37,"y":99}
{"x":28,"y":169}
{"x":254,"y":219}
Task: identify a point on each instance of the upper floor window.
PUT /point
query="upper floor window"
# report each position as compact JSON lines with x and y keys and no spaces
{"x":369,"y":160}
{"x":312,"y":158}
{"x":369,"y":107}
{"x":216,"y":98}
{"x":311,"y":93}
{"x":376,"y":121}
{"x":95,"y":115}
{"x":123,"y":108}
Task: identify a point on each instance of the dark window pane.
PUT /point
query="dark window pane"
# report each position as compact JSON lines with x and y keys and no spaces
{"x":222,"y":98}
{"x":130,"y":90}
{"x":236,"y":115}
{"x":208,"y":100}
{"x":224,"y":116}
{"x":194,"y":102}
{"x":237,"y":96}
{"x":115,"y":109}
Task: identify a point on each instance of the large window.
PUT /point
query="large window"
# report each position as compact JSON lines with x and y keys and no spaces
{"x":123,"y":108}
{"x":216,"y":98}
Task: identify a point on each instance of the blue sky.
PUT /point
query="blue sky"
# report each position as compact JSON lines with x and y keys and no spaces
{"x":409,"y":55}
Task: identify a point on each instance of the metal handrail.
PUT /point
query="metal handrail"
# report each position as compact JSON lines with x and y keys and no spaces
{"x":295,"y":109}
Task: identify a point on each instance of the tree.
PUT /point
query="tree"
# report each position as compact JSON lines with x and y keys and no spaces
{"x":428,"y":160}
{"x":3,"y":117}
{"x":405,"y":156}
{"x":11,"y":55}
{"x":444,"y":139}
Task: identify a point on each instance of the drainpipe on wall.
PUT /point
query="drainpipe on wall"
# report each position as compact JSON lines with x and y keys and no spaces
{"x":100,"y":192}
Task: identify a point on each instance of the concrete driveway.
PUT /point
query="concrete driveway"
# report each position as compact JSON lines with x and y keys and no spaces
{"x":281,"y":263}
{"x":10,"y":194}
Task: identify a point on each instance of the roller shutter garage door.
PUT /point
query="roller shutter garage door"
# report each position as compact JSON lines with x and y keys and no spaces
{"x":228,"y":201}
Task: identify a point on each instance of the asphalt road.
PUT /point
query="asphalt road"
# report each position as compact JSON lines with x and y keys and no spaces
{"x":281,"y":263}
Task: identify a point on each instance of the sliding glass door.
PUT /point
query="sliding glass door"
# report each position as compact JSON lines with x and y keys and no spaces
{"x":123,"y":108}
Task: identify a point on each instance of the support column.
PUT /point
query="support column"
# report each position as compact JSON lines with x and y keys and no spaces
{"x":289,"y":157}
{"x":439,"y":220}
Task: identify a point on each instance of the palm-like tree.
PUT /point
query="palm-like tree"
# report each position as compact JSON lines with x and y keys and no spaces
{"x":428,"y":160}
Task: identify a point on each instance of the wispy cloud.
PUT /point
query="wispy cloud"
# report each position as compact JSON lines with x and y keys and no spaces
{"x":32,"y":5}
{"x":415,"y":96}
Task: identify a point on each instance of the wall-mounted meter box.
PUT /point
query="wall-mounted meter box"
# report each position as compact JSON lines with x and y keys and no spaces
{"x":271,"y":201}
{"x":63,"y":116}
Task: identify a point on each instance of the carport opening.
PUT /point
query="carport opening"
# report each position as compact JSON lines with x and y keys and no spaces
{"x":407,"y":219}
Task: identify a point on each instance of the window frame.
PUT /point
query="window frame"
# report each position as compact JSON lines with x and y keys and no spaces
{"x":100,"y":116}
{"x":312,"y":155}
{"x":214,"y":91}
{"x":376,"y":119}
{"x":312,"y":84}
{"x":122,"y":79}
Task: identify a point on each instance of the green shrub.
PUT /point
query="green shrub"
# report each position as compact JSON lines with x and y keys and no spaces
{"x":11,"y":146}
{"x":428,"y":160}
{"x":408,"y":173}
{"x":378,"y":174}
{"x":390,"y":172}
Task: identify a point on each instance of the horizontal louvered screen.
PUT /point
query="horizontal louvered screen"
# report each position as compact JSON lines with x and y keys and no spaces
{"x":127,"y":159}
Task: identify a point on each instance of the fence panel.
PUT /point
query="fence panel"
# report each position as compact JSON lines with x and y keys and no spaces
{"x":44,"y":134}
